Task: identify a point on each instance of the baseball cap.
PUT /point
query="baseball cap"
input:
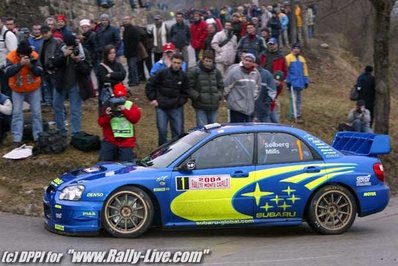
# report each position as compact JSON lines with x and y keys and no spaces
{"x":84,"y":22}
{"x":272,"y":40}
{"x":168,"y":47}
{"x":360,"y":103}
{"x":157,"y":17}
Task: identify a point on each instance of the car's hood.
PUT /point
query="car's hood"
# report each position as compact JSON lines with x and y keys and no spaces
{"x":100,"y":170}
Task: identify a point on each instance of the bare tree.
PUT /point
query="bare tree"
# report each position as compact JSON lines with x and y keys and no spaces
{"x":381,"y":59}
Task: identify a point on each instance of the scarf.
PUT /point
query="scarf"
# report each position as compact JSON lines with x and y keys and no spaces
{"x":155,"y":34}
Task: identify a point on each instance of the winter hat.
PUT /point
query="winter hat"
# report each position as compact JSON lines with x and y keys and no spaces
{"x":61,"y":17}
{"x":24,"y":48}
{"x":250,"y":55}
{"x":158,"y":17}
{"x":369,"y":68}
{"x":296,"y":45}
{"x":168,"y":47}
{"x":84,"y":22}
{"x":104,"y":16}
{"x":120,"y":90}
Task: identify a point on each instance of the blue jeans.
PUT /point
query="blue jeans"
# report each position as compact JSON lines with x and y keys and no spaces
{"x":75,"y":110}
{"x":176,"y":118}
{"x":310,"y":30}
{"x":133,"y":71}
{"x":34,"y":99}
{"x":48,"y":88}
{"x":111,"y":153}
{"x":204,"y":117}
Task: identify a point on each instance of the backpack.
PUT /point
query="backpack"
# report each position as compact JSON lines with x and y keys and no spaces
{"x":50,"y":141}
{"x":85,"y":142}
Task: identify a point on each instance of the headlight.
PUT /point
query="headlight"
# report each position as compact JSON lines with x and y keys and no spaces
{"x":72,"y":193}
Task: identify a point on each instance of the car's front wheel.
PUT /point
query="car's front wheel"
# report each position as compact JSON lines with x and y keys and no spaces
{"x":128,"y":212}
{"x":332,"y":210}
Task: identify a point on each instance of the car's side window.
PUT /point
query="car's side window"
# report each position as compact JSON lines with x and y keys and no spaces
{"x":277,"y":147}
{"x":225,"y":151}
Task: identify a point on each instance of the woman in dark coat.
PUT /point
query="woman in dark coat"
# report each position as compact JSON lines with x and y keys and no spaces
{"x":109,"y":71}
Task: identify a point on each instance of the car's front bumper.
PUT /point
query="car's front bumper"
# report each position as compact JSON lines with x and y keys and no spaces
{"x":71,"y":217}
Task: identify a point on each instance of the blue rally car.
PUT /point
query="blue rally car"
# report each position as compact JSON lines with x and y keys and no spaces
{"x":227,"y":175}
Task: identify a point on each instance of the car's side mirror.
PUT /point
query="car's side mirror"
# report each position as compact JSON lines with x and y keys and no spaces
{"x":188,"y":166}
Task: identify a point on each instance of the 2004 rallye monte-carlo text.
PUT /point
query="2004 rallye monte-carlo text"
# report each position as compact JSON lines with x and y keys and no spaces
{"x":227,"y":175}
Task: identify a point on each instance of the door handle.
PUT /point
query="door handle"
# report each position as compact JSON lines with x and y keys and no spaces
{"x":240,"y":174}
{"x":312,"y":169}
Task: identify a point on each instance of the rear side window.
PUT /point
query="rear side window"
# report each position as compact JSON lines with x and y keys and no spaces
{"x":281,"y":148}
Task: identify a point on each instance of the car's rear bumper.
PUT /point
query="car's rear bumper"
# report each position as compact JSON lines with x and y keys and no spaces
{"x":372,"y":199}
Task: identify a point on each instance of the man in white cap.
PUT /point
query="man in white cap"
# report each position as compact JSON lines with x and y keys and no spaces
{"x":242,"y":84}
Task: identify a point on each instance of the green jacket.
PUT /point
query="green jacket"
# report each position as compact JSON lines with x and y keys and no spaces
{"x":206,"y":87}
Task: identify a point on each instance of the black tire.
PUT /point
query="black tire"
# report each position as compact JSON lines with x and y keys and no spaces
{"x":332,"y":210}
{"x":128,"y":212}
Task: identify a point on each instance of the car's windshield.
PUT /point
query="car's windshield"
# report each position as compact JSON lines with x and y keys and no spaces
{"x":164,"y":155}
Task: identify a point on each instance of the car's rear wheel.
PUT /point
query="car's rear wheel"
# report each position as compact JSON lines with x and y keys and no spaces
{"x":128,"y":212}
{"x":332,"y":210}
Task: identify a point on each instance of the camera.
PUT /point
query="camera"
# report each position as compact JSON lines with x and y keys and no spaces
{"x":76,"y":50}
{"x":32,"y":59}
{"x":359,"y":109}
{"x":114,"y":102}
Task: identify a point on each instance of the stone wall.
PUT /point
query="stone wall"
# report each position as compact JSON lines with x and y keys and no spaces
{"x":28,"y":11}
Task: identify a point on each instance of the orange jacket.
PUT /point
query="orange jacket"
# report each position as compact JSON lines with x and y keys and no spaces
{"x":24,"y":80}
{"x":297,"y":13}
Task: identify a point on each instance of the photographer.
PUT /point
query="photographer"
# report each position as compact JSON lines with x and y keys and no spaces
{"x":117,"y":126}
{"x":73,"y":69}
{"x":23,"y":70}
{"x":359,"y":117}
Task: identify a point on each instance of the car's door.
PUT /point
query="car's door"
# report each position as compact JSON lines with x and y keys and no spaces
{"x":285,"y":165}
{"x":208,"y":194}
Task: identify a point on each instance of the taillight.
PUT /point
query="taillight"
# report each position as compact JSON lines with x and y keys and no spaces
{"x":379,"y":171}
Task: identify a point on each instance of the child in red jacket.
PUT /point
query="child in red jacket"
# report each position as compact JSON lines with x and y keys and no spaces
{"x":117,"y":124}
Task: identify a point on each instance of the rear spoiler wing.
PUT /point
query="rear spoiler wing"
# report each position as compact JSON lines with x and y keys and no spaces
{"x":364,"y":144}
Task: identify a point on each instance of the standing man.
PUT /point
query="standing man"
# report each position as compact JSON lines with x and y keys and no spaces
{"x":251,"y":43}
{"x":10,"y":23}
{"x":267,"y":94}
{"x":206,"y":89}
{"x":168,"y":91}
{"x":131,"y":38}
{"x":160,"y":33}
{"x":366,"y":87}
{"x":297,"y":79}
{"x":36,"y":39}
{"x":107,"y":34}
{"x":8,"y":43}
{"x":242,"y":85}
{"x":23,"y":69}
{"x":224,"y":44}
{"x":198,"y":33}
{"x":47,"y":55}
{"x":165,"y":62}
{"x":72,"y":70}
{"x":61,"y":26}
{"x":180,"y":36}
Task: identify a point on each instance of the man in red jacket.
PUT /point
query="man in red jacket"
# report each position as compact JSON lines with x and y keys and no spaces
{"x":117,"y":124}
{"x":198,"y":34}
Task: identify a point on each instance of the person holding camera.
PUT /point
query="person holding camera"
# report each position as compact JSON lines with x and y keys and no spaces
{"x":117,"y":122}
{"x":23,"y":70}
{"x":109,"y":71}
{"x":73,"y":69}
{"x":359,"y":117}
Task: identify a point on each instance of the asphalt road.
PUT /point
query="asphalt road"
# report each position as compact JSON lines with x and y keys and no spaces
{"x":372,"y":240}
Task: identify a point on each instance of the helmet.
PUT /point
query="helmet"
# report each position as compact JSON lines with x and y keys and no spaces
{"x":120,"y":90}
